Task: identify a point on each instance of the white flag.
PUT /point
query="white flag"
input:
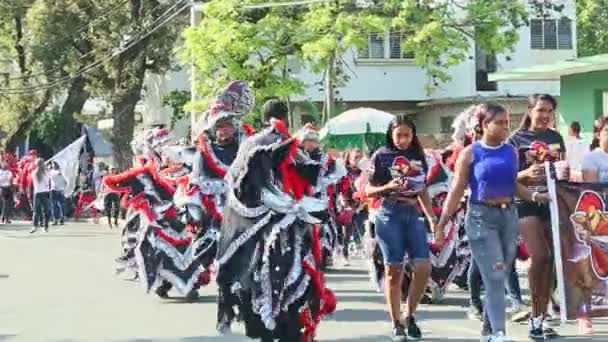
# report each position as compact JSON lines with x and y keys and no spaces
{"x":68,"y":160}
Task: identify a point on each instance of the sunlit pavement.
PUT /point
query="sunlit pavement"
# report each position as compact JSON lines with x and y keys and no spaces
{"x":61,"y":286}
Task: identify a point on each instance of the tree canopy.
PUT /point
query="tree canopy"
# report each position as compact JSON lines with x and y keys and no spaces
{"x":239,"y":40}
{"x":591,"y":24}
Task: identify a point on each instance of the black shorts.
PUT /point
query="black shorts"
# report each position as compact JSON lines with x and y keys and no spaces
{"x":527,"y":209}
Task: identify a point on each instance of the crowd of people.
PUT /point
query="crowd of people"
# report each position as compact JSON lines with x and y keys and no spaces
{"x":266,"y":213}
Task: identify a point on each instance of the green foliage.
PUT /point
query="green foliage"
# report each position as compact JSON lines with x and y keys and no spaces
{"x":234,"y":42}
{"x":591,"y":24}
{"x":48,"y":126}
{"x":176,"y":100}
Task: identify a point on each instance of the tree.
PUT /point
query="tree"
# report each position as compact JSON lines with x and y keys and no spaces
{"x":69,"y":50}
{"x":239,"y":40}
{"x":591,"y":23}
{"x":176,"y":100}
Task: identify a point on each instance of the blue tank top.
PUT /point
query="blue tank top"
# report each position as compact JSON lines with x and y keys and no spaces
{"x":493,"y":172}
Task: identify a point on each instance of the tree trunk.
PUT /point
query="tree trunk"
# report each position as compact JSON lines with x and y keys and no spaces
{"x":25,"y":123}
{"x":77,"y":96}
{"x":123,"y":113}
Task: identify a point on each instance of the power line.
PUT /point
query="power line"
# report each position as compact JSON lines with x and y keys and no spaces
{"x":136,"y":39}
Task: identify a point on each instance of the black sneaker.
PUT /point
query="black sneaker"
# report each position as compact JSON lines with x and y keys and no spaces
{"x":399,"y":333}
{"x":413,"y":331}
{"x":535,"y":328}
{"x":549,"y":332}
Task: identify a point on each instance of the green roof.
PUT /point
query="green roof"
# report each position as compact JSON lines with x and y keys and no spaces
{"x":553,"y":71}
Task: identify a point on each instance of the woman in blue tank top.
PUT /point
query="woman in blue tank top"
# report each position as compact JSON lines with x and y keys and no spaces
{"x":489,"y":168}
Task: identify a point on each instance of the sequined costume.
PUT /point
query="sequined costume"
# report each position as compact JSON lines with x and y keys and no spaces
{"x":269,"y":249}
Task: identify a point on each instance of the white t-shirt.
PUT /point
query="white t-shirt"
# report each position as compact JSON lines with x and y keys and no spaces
{"x":43,"y":184}
{"x":575,"y":151}
{"x":5,"y":178}
{"x":58,"y":182}
{"x":597,"y":160}
{"x":97,"y":178}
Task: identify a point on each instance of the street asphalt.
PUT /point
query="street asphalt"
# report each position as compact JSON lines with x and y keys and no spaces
{"x":61,"y":286}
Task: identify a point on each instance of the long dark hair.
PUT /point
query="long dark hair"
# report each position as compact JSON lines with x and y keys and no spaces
{"x":403,"y":120}
{"x":526,"y":121}
{"x":597,"y":128}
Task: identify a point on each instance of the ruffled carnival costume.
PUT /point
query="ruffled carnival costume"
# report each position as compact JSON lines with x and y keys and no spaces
{"x":201,"y":196}
{"x":333,"y":171}
{"x":159,"y":245}
{"x":269,"y":252}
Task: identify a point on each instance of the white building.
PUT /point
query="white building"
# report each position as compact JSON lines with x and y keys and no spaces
{"x":384,"y":77}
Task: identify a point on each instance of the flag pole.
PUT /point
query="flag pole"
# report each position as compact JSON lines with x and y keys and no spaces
{"x":557,"y":247}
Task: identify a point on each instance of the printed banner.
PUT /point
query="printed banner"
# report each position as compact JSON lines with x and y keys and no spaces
{"x":580,"y":234}
{"x":69,"y":162}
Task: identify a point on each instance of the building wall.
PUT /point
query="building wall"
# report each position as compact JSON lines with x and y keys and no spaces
{"x":582,"y":99}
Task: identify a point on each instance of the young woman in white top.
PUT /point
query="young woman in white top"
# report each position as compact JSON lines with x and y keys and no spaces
{"x":6,"y":182}
{"x":42,"y":189}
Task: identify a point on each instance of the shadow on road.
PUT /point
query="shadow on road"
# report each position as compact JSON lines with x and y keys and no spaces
{"x":7,"y":337}
{"x":332,"y":271}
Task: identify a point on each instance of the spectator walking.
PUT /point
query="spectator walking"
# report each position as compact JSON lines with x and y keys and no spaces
{"x":6,"y":192}
{"x":58,"y":184}
{"x":42,"y":188}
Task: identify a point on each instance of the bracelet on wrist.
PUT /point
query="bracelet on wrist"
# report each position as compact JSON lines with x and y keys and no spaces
{"x":535,"y":196}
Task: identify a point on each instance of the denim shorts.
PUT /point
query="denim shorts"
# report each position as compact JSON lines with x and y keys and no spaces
{"x":400,"y":231}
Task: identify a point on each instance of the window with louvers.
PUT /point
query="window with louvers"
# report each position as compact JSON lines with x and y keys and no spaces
{"x":376,"y":45}
{"x":564,"y":34}
{"x":536,"y":34}
{"x":384,"y":46}
{"x":551,"y":34}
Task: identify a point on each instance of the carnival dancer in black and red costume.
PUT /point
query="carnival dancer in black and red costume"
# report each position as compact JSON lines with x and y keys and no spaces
{"x":326,"y":189}
{"x":201,"y":195}
{"x":269,"y":249}
{"x":146,"y":147}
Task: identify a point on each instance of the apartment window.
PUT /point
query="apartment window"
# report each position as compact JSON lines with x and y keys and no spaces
{"x":384,"y":46}
{"x":551,"y":34}
{"x":485,"y":63}
{"x":445,"y":123}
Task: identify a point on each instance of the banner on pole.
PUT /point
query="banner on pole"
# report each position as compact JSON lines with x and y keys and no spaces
{"x":68,"y":160}
{"x":579,"y":220}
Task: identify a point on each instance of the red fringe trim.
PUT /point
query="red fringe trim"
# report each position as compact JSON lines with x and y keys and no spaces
{"x":171,"y":240}
{"x":210,"y":205}
{"x":219,"y":170}
{"x":326,"y":296}
{"x":249,"y":131}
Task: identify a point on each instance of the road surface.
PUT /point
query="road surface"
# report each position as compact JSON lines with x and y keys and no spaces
{"x":61,"y":286}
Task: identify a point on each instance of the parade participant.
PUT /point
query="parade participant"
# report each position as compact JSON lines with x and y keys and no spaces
{"x":86,"y":195}
{"x":537,"y":143}
{"x":42,"y":188}
{"x":111,"y":201}
{"x":333,"y":172}
{"x":352,"y":214}
{"x":58,"y":184}
{"x":26,"y":166}
{"x":202,"y":200}
{"x":6,"y":192}
{"x":269,"y":249}
{"x":398,"y":175}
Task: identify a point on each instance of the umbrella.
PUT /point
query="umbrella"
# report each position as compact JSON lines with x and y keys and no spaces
{"x":364,"y":128}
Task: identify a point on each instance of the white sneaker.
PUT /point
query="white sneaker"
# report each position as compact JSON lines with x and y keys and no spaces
{"x":499,"y":337}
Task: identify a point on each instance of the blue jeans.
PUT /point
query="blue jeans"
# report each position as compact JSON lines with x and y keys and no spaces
{"x":399,"y":230}
{"x":492,"y":234}
{"x":474,"y":283}
{"x":57,"y":205}
{"x":42,"y":209}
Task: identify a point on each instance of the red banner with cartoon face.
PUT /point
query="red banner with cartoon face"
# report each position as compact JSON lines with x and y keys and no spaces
{"x":583,"y":236}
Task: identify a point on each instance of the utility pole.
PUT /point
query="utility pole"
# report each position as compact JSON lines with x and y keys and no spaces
{"x":196,"y":15}
{"x":328,"y":87}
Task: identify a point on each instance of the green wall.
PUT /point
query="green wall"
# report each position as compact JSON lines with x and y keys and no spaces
{"x":581,"y":100}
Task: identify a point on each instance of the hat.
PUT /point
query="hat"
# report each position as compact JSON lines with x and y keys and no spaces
{"x":233,"y":102}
